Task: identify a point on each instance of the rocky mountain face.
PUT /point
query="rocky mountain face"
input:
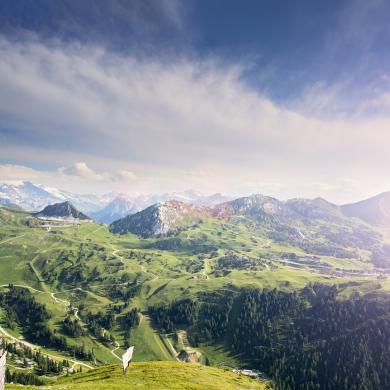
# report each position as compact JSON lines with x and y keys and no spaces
{"x":163,"y":217}
{"x":61,"y":210}
{"x":159,"y":219}
{"x":255,"y":205}
{"x":375,"y":210}
{"x":314,"y":225}
{"x":118,"y":208}
{"x":263,"y":207}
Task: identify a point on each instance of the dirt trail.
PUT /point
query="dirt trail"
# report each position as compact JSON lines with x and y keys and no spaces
{"x":117,"y":346}
{"x":57,"y":300}
{"x":93,"y":232}
{"x":118,"y":256}
{"x":155,"y":277}
{"x":37,"y":347}
{"x":12,"y":239}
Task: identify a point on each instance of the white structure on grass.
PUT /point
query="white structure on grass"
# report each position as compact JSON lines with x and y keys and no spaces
{"x":126,"y":359}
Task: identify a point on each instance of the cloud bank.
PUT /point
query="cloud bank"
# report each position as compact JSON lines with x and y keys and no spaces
{"x":188,"y":122}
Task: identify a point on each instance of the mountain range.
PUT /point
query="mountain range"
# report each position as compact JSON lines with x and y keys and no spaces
{"x":104,"y":208}
{"x":111,"y":207}
{"x":195,"y":267}
{"x":119,"y":207}
{"x":34,"y":197}
{"x":162,"y":218}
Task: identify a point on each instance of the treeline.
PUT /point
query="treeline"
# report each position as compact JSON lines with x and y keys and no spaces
{"x":72,"y":327}
{"x":100,"y":324}
{"x":123,"y":292}
{"x":181,"y":313}
{"x":190,"y":246}
{"x":130,"y":321}
{"x":22,"y":309}
{"x":305,"y":340}
{"x":43,"y":365}
{"x":23,"y":378}
{"x":209,"y":315}
{"x":234,"y":260}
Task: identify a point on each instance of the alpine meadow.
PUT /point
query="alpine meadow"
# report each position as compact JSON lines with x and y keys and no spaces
{"x":194,"y":195}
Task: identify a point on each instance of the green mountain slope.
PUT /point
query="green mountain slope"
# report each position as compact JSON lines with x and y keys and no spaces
{"x":99,"y":292}
{"x":154,"y":376}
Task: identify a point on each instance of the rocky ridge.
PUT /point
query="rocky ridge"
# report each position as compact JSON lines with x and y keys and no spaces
{"x":61,"y":210}
{"x":159,"y":219}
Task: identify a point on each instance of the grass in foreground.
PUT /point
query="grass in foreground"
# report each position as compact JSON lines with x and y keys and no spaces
{"x":154,"y":376}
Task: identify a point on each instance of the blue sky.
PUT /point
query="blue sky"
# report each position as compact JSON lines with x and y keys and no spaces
{"x":288,"y":98}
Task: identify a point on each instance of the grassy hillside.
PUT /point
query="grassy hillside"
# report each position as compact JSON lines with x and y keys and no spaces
{"x":154,"y":376}
{"x":83,"y":271}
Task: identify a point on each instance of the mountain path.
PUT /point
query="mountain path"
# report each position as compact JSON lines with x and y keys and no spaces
{"x":117,"y":346}
{"x":93,"y":232}
{"x":37,"y":348}
{"x":114,"y":253}
{"x":12,"y":239}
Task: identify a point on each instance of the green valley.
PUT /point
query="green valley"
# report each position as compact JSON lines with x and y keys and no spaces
{"x":178,"y":295}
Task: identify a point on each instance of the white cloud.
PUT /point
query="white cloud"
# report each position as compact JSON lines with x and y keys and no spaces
{"x":17,"y":172}
{"x":125,"y":175}
{"x":80,"y":170}
{"x":180,"y":123}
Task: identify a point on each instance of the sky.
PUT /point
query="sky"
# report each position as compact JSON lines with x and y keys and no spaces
{"x":284,"y":98}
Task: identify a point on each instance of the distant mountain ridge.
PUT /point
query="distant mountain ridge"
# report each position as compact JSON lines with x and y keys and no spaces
{"x":61,"y":210}
{"x":34,"y":197}
{"x":250,"y":205}
{"x":162,"y":218}
{"x":118,"y":208}
{"x":111,"y":207}
{"x":26,"y":195}
{"x":375,"y":210}
{"x":260,"y":206}
{"x":314,"y":208}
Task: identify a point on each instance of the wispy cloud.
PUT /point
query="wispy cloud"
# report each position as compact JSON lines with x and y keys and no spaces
{"x":126,"y":176}
{"x":161,"y":120}
{"x":13,"y":172}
